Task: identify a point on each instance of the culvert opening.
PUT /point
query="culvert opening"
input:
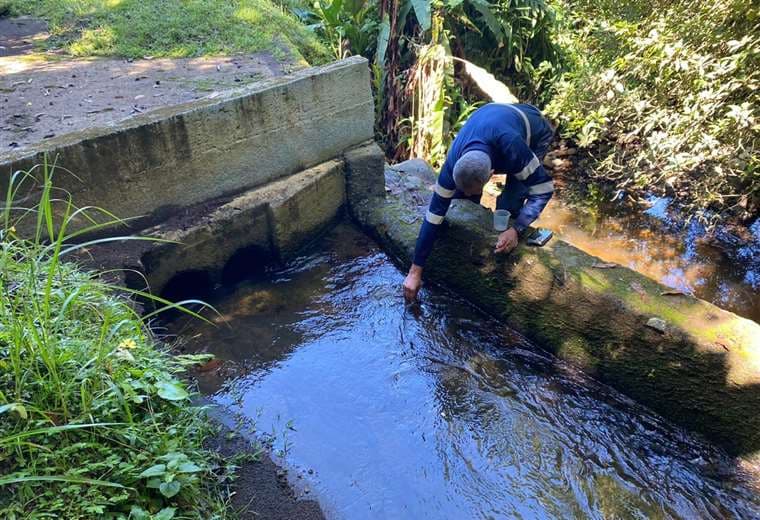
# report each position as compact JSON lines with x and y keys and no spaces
{"x":246,"y":263}
{"x":194,"y":284}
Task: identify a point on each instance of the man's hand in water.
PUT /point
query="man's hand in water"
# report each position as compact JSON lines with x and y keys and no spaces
{"x":412,"y":283}
{"x":507,"y":241}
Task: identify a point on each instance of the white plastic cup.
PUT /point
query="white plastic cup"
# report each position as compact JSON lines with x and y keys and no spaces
{"x":501,"y":219}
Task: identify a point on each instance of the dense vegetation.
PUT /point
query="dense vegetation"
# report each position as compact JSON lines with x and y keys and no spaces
{"x":662,"y":95}
{"x":95,"y":421}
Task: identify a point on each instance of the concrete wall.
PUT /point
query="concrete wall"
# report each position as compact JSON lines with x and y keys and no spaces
{"x":244,"y":233}
{"x":152,"y":164}
{"x":702,"y":370}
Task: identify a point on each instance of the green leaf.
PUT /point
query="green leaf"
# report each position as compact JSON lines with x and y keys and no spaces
{"x":171,"y":391}
{"x":382,"y":40}
{"x":422,"y":12}
{"x":166,"y":513}
{"x":51,"y":429}
{"x":154,"y":471}
{"x":169,"y":489}
{"x":71,"y":480}
{"x":188,"y":467}
{"x":484,"y":8}
{"x":354,"y":6}
{"x":138,"y":513}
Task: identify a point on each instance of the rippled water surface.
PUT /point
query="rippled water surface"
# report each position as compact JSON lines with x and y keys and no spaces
{"x":441,"y":413}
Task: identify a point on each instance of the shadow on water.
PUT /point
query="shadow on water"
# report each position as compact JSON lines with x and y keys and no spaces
{"x":442,"y":413}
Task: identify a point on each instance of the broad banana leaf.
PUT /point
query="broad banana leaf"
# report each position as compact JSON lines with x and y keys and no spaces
{"x":422,"y":10}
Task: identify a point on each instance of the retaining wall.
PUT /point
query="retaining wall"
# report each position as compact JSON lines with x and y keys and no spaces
{"x":153,"y":164}
{"x":701,"y":370}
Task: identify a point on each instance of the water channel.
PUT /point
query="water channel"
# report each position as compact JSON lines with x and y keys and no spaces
{"x":439,"y":411}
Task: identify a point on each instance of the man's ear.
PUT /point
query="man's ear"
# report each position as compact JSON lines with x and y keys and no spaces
{"x":493,"y":171}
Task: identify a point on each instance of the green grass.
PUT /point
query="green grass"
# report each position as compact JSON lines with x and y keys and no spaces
{"x":173,"y":28}
{"x":95,"y":420}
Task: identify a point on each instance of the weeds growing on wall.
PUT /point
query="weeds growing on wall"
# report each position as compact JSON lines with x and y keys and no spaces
{"x":665,"y":95}
{"x":95,"y":421}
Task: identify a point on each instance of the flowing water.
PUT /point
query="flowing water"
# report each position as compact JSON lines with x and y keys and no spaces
{"x":440,"y":412}
{"x":664,"y":248}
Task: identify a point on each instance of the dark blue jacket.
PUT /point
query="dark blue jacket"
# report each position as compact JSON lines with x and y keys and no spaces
{"x":506,"y":135}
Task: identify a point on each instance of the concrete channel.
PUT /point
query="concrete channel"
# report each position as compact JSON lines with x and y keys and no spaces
{"x":249,"y":177}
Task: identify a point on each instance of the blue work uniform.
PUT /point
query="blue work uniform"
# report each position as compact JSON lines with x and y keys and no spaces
{"x":516,"y":138}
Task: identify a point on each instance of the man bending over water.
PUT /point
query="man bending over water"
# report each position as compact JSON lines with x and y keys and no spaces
{"x":510,"y":139}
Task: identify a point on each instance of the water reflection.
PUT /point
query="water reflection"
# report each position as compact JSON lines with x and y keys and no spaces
{"x":663,"y":247}
{"x":444,"y":413}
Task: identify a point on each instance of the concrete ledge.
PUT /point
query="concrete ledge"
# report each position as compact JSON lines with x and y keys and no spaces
{"x":301,"y":205}
{"x":702,"y":370}
{"x":224,"y":240}
{"x":152,"y":164}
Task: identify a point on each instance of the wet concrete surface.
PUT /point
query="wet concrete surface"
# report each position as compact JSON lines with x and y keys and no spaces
{"x":438,"y":411}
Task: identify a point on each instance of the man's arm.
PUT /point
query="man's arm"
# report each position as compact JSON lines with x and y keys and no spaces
{"x":533,"y":175}
{"x":439,"y":205}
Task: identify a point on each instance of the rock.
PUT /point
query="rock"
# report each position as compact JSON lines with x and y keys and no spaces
{"x":657,"y":324}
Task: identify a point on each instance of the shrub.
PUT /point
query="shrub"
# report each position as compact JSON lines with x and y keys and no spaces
{"x":94,"y":418}
{"x":674,"y":87}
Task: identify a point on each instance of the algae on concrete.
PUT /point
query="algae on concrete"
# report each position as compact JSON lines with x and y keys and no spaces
{"x":703,"y":371}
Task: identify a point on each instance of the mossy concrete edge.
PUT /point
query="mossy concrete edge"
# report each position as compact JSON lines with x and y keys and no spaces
{"x":702,"y":371}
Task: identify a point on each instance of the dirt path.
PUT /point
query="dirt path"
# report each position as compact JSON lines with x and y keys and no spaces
{"x":44,"y":96}
{"x":17,"y":35}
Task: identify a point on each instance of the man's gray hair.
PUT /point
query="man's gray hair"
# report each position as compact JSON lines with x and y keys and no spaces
{"x":472,"y":170}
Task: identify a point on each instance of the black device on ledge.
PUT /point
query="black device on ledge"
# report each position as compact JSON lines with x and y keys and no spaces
{"x":540,"y":237}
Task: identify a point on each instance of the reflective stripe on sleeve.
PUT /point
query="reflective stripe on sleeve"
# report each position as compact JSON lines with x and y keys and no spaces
{"x":529,"y":168}
{"x":443,"y":192}
{"x":433,"y":218}
{"x":544,"y":187}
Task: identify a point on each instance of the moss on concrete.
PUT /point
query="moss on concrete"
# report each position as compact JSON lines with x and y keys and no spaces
{"x":703,"y":371}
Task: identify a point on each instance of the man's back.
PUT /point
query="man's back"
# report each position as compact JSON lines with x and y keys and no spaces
{"x":484,"y":128}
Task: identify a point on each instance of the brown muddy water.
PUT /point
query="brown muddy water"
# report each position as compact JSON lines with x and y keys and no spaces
{"x":713,"y":265}
{"x":440,"y":411}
